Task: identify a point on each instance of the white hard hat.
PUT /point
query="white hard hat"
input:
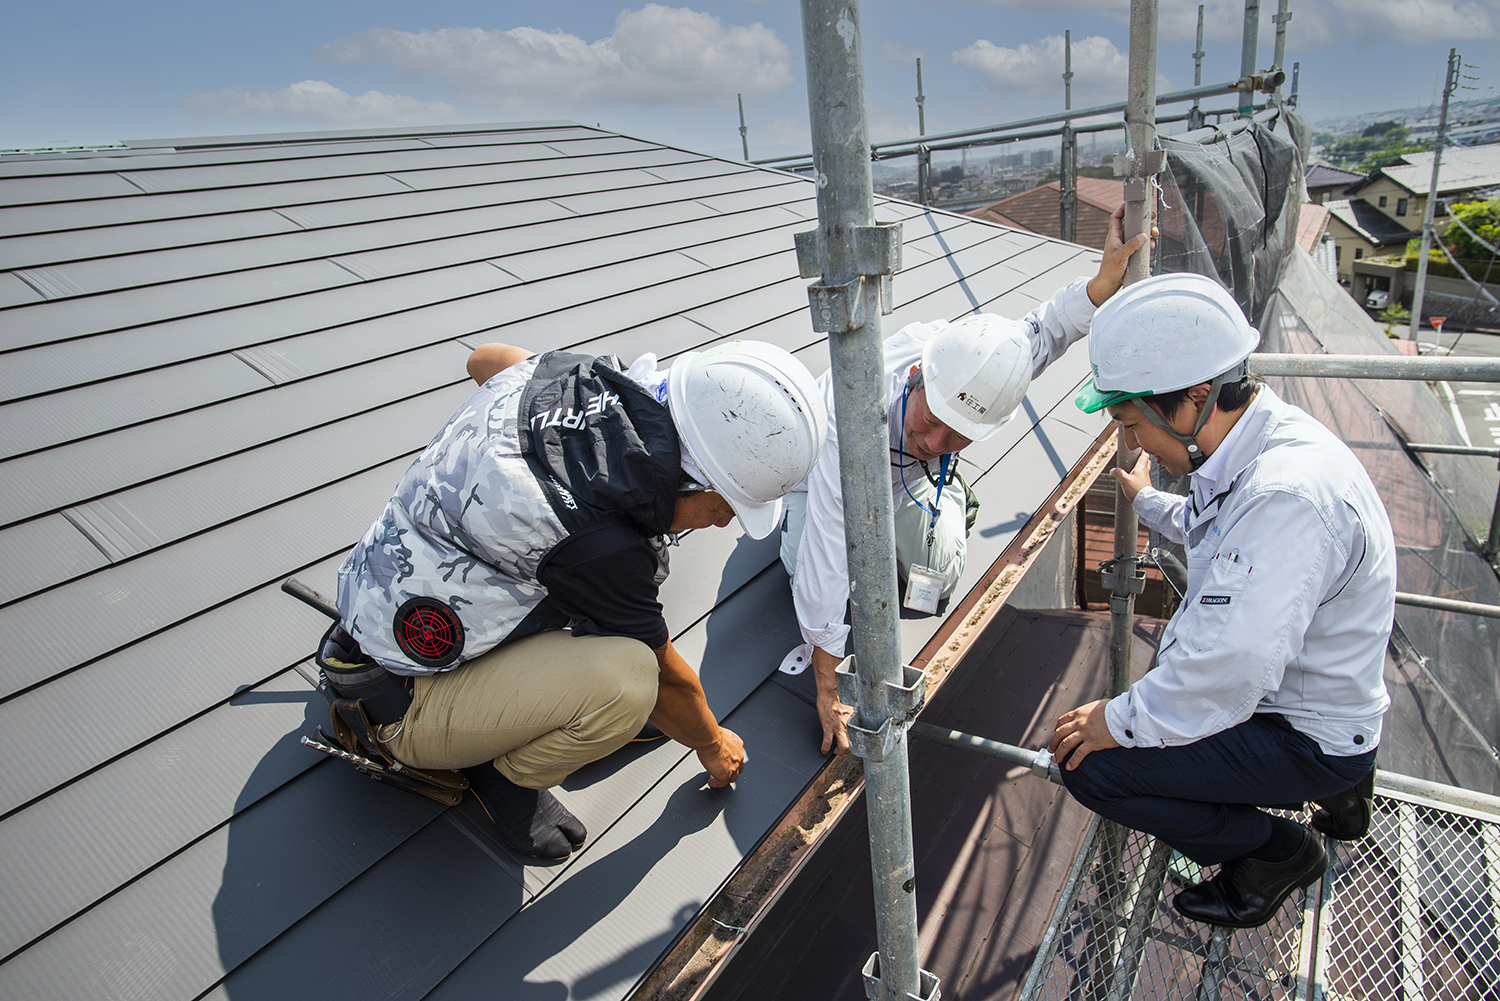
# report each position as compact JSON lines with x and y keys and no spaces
{"x":975,"y":371}
{"x":1161,"y":334}
{"x":751,"y":417}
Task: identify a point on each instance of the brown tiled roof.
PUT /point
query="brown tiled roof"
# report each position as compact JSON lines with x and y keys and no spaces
{"x":1037,"y":210}
{"x":1311,"y":223}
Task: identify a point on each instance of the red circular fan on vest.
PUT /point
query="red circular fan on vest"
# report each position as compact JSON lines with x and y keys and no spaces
{"x":429,"y":632}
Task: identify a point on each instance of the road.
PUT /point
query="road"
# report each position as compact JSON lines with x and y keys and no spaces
{"x":1475,"y":405}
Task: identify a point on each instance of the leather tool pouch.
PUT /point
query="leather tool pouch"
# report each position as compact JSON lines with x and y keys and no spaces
{"x":355,"y":733}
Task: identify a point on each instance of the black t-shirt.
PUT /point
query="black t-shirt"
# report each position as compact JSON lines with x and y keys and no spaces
{"x":602,"y":582}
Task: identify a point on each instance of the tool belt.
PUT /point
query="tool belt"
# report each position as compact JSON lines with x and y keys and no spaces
{"x":363,"y":696}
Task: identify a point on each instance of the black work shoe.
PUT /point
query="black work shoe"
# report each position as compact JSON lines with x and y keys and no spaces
{"x":1247,"y":892}
{"x":520,"y":815}
{"x":572,"y":828}
{"x":1346,"y":817}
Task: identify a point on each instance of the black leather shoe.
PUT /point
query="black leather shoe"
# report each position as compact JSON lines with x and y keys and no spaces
{"x":1346,"y":817}
{"x":1247,"y":892}
{"x":521,"y":816}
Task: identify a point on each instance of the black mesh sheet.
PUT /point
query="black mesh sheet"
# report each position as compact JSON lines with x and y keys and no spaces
{"x":1444,"y":672}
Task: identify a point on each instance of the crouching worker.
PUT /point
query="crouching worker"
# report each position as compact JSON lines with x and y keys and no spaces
{"x":501,"y":616}
{"x":1267,"y":690}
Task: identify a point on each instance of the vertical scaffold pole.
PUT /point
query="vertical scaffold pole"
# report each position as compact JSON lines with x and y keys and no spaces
{"x":1450,"y":84}
{"x":1247,"y":57}
{"x":1281,"y":17}
{"x":921,"y":102}
{"x":1067,"y":200}
{"x":1195,"y":116}
{"x":856,"y":259}
{"x":744,"y":132}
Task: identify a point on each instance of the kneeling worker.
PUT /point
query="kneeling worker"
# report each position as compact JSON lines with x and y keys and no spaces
{"x":1268,"y":687}
{"x":501,"y":615}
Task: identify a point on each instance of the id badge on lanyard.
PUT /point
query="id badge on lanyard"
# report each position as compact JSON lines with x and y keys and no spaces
{"x":924,"y":585}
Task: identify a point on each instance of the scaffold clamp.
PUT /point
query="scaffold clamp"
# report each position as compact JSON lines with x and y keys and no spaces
{"x":902,"y":702}
{"x":928,"y":989}
{"x":1129,"y":580}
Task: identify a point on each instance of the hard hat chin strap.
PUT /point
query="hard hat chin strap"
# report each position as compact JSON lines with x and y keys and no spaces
{"x":1190,"y":441}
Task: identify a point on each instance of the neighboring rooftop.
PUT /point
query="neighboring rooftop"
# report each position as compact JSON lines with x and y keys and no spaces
{"x":1464,"y":168}
{"x":1037,"y":209}
{"x":1368,"y":221}
{"x":218,"y":357}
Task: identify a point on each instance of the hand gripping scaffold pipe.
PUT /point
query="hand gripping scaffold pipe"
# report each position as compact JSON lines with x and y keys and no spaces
{"x":854,"y":260}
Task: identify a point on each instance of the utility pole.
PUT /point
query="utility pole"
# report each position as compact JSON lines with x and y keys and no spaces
{"x":744,"y":132}
{"x":1195,"y":116}
{"x":1450,"y":85}
{"x":853,"y":260}
{"x":1247,"y":58}
{"x":1067,"y":170}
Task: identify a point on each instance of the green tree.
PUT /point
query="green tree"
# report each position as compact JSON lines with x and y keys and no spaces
{"x":1484,"y":219}
{"x":1384,"y":129}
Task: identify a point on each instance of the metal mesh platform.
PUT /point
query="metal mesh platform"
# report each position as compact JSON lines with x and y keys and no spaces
{"x":1411,"y":911}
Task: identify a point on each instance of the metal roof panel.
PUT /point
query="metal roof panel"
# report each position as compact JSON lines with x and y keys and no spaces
{"x":41,"y":553}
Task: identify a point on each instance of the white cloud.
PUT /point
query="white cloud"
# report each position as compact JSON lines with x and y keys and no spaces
{"x":656,"y":55}
{"x":1419,"y":22}
{"x":1314,"y":24}
{"x":1037,"y":69}
{"x":895,"y":52}
{"x":323,"y":103}
{"x":783,"y":132}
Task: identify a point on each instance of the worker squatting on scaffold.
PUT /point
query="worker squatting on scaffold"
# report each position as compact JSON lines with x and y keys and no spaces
{"x":500,"y":618}
{"x":947,"y":385}
{"x":1268,"y":687}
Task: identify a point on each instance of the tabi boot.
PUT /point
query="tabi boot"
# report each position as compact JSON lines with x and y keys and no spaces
{"x":531,"y":822}
{"x":1346,"y":817}
{"x":1248,"y":891}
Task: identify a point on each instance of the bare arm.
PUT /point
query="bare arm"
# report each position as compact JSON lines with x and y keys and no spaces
{"x":1117,"y":251}
{"x":488,"y":359}
{"x":832,"y":714}
{"x":682,"y":713}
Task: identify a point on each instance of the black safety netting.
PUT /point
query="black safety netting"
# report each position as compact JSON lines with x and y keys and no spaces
{"x":1229,"y":210}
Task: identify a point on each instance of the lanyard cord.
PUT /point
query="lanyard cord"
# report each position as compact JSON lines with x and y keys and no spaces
{"x":942,"y":470}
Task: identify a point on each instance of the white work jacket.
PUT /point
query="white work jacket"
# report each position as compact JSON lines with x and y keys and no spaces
{"x":1290,"y":595}
{"x":820,"y":587}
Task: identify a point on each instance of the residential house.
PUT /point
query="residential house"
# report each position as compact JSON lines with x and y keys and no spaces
{"x":1361,"y":230}
{"x":1037,"y":209}
{"x":1324,"y":181}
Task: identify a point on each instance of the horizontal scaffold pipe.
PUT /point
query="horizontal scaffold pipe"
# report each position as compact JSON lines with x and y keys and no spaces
{"x":1448,"y":605}
{"x":1207,"y":90}
{"x":1378,"y":367}
{"x":1039,"y":762}
{"x":1419,"y":446}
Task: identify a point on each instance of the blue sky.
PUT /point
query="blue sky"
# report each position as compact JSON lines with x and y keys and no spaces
{"x":105,"y":71}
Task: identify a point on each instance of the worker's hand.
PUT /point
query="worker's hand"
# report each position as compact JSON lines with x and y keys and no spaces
{"x":1117,"y":251}
{"x":832,"y":714}
{"x":1132,"y":480}
{"x":724,"y":758}
{"x":1081,"y":732}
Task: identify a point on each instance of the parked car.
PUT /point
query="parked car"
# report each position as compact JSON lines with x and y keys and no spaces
{"x":1378,"y":299}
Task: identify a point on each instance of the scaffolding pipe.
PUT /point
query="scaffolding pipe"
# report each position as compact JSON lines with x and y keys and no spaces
{"x":744,"y":132}
{"x":1378,"y":367}
{"x":1039,"y":763}
{"x":1450,"y":84}
{"x":1195,"y":117}
{"x":1176,"y":96}
{"x":1448,"y":605}
{"x":1281,"y":17}
{"x":1067,"y":201}
{"x":1248,"y":42}
{"x":848,"y":299}
{"x":921,"y":102}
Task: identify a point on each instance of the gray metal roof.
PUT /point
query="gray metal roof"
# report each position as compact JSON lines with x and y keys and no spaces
{"x":216,"y":358}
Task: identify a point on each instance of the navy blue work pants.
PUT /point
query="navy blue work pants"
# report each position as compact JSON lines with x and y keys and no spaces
{"x":1201,"y":798}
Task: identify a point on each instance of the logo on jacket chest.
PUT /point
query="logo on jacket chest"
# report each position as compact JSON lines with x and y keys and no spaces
{"x":573,"y":419}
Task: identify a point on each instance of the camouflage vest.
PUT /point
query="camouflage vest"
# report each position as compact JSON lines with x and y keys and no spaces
{"x":547,"y":448}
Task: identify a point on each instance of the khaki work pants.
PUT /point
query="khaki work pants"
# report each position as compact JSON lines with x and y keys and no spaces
{"x":539,"y":708}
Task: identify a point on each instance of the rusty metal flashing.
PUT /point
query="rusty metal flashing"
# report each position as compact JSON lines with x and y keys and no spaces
{"x":693,"y":964}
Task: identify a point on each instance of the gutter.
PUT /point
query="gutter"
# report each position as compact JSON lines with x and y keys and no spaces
{"x":734,"y":913}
